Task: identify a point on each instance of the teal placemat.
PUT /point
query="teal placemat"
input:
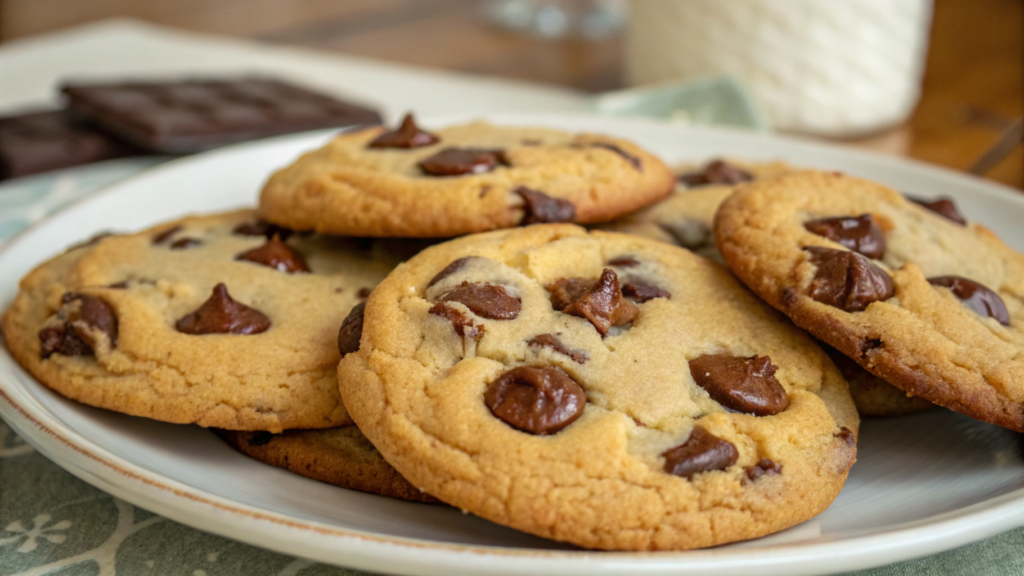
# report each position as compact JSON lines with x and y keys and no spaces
{"x":55,"y":524}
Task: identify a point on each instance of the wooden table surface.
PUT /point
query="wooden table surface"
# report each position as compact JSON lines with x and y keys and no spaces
{"x":972,"y":96}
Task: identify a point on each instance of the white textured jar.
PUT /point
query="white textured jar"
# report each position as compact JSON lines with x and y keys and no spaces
{"x":830,"y":67}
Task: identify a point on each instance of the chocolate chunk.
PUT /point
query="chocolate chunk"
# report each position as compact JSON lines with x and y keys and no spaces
{"x":975,"y":296}
{"x":627,"y":261}
{"x":763,"y":466}
{"x":450,"y":269}
{"x":165,"y":235}
{"x":553,"y":342}
{"x":261,"y":228}
{"x":536,"y":400}
{"x":222,"y":315}
{"x":847,"y":280}
{"x":542,"y":209}
{"x":633,"y":160}
{"x":463,"y":324}
{"x":745,"y":385}
{"x":38,"y":142}
{"x":702,"y":452}
{"x":716,"y":172}
{"x":259,"y":438}
{"x":351,"y":330}
{"x":641,"y":292}
{"x":484,"y":300}
{"x":859,"y":233}
{"x":943,"y":207}
{"x":847,"y":436}
{"x":122,"y":285}
{"x":364,"y":293}
{"x":599,"y":301}
{"x":408,"y":135}
{"x":276,"y":254}
{"x":183,"y":243}
{"x":70,"y":331}
{"x":184,"y":116}
{"x":459,"y":161}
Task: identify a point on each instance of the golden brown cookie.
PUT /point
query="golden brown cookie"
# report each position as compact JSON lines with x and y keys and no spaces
{"x":217,"y":320}
{"x":461,"y":179}
{"x":341,"y":456}
{"x":598,"y":388}
{"x":913,"y":295}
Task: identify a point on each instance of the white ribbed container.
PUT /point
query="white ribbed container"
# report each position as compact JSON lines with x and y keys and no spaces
{"x":830,"y":67}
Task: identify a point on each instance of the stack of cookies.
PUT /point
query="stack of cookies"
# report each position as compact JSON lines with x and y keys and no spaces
{"x":611,"y":387}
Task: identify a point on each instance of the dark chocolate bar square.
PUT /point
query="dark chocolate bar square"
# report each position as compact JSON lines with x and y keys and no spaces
{"x":37,"y":142}
{"x":193,"y":115}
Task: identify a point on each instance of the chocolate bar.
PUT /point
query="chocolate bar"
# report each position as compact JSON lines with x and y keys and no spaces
{"x":37,"y":142}
{"x":192,"y":115}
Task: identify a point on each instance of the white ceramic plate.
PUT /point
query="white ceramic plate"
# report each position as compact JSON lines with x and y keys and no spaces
{"x":922,"y":484}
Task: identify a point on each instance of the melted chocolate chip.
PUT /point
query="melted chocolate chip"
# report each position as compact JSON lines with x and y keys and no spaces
{"x":599,"y":301}
{"x":462,"y":324}
{"x":277,"y":255}
{"x":351,"y":330}
{"x":702,"y":452}
{"x":70,"y":331}
{"x":364,"y":293}
{"x":450,"y":269}
{"x":943,"y":207}
{"x":261,"y":228}
{"x":536,"y":400}
{"x":763,"y":466}
{"x":408,"y":135}
{"x":183,"y":243}
{"x":459,"y":161}
{"x":484,"y":300}
{"x":553,"y":342}
{"x":122,"y":285}
{"x":641,"y":292}
{"x":745,"y":385}
{"x":627,"y":261}
{"x":860,"y":234}
{"x":847,"y":436}
{"x":716,"y":172}
{"x":259,"y":438}
{"x":847,"y":280}
{"x":975,"y":296}
{"x":633,"y":160}
{"x":540,"y":208}
{"x":222,"y":315}
{"x":165,"y":235}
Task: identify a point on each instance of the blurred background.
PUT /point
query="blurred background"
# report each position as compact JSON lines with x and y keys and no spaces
{"x":971,"y":99}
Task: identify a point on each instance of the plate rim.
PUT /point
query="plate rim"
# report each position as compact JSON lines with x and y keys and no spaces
{"x":47,"y":433}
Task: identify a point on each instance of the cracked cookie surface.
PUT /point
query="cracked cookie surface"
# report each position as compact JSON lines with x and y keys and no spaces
{"x":929,"y":304}
{"x":576,"y":416}
{"x":212,"y":320}
{"x":341,"y":456}
{"x":468,"y":178}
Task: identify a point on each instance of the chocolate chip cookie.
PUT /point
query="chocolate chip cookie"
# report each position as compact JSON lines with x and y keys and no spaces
{"x":910,"y":290}
{"x":222,"y":320}
{"x":341,"y":456}
{"x":597,"y":388}
{"x":410,"y":182}
{"x":685,"y":217}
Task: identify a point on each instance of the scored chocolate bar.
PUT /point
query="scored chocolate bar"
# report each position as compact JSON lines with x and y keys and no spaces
{"x":192,"y":115}
{"x":36,"y":142}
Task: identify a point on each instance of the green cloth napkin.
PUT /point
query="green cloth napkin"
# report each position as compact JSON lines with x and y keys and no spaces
{"x":55,"y":524}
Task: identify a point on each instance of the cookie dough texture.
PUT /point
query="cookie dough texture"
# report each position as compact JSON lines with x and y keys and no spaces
{"x":685,"y":217}
{"x":351,"y":189}
{"x":281,"y":378}
{"x":416,"y":389}
{"x":341,"y":456}
{"x":923,"y":339}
